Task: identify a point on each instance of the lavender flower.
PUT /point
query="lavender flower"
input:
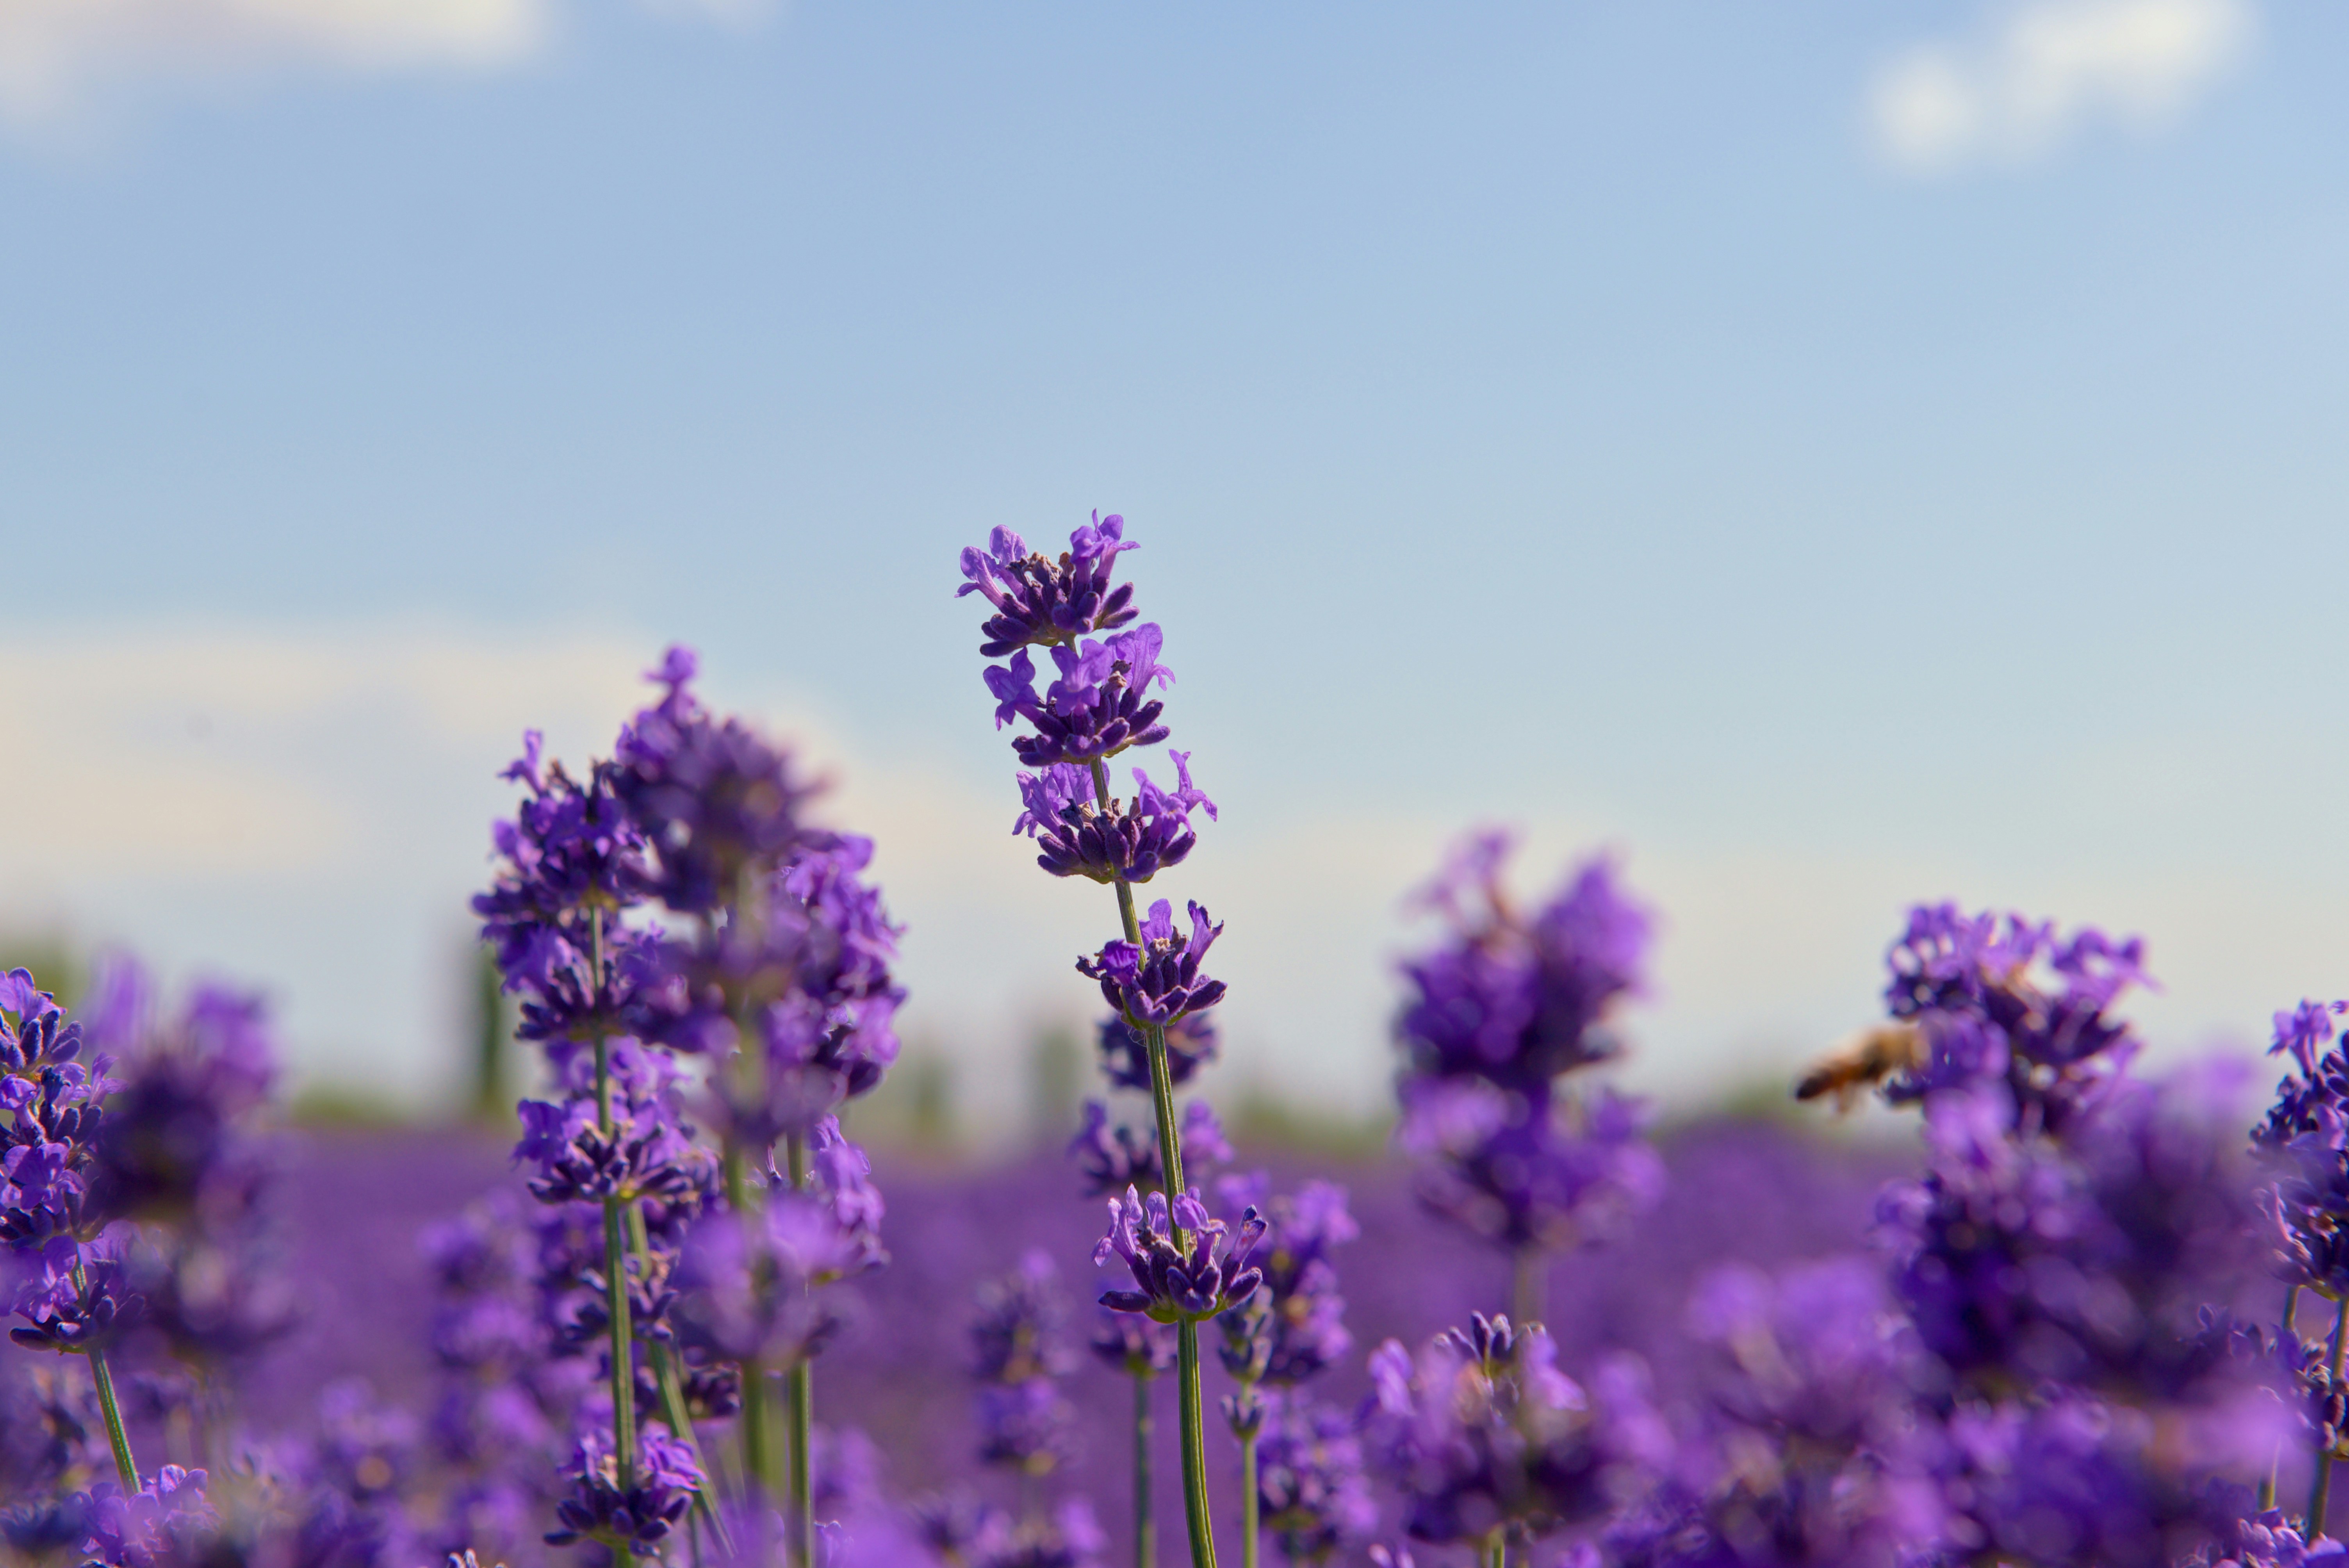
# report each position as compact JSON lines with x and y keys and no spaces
{"x":1523,"y":1175}
{"x":1158,"y":981}
{"x":1097,"y":707}
{"x":635,"y":1519}
{"x":1486,"y":1439}
{"x":1109,"y":840}
{"x":1186,"y":1282}
{"x":1312,"y":1492}
{"x":1514,"y":1001}
{"x":1039,"y":600}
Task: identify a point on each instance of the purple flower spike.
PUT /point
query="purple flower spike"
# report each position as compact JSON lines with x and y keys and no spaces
{"x":1179,"y":1284}
{"x":1097,"y":707}
{"x":635,"y":1520}
{"x":1159,"y":981}
{"x":1038,"y":600}
{"x":1111,"y":842}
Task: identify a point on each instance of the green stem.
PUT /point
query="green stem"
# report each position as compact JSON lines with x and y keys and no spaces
{"x":1195,"y":1447}
{"x":802,"y":1399}
{"x":1170,"y":1159}
{"x":1146,"y":1525}
{"x":1251,"y":1522}
{"x":1496,"y":1550}
{"x":2322,"y":1486}
{"x":672,"y":1393}
{"x":616,"y":1296}
{"x":125,"y":1466}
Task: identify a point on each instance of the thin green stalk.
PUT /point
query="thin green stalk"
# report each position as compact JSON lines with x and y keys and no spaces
{"x":1251,"y":1506}
{"x":616,"y":1296}
{"x":1528,"y":1286}
{"x":2322,"y":1486}
{"x":1195,"y":1447}
{"x":1145,"y":1523}
{"x":672,"y":1394}
{"x":1170,"y":1158}
{"x":802,"y":1400}
{"x":125,"y":1466}
{"x":615,"y":1272}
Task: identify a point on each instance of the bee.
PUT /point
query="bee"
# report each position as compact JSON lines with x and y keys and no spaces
{"x":1871,"y":1058}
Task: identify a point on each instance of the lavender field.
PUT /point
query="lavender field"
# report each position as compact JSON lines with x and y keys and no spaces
{"x":685,"y":1317}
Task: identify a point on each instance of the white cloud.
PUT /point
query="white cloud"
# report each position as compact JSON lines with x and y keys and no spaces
{"x":53,"y":53}
{"x":2048,"y":69}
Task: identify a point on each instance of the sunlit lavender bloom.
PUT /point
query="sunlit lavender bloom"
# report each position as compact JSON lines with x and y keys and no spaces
{"x":634,"y":1520}
{"x":1159,"y":981}
{"x":1039,"y":600}
{"x":1113,"y":1157}
{"x":1125,"y":1051}
{"x":1520,"y":1176}
{"x":1314,"y":1496}
{"x":1097,"y":707}
{"x":1194,"y":1281}
{"x":1109,"y":842}
{"x":1484,"y":1435}
{"x":1518,"y":1001}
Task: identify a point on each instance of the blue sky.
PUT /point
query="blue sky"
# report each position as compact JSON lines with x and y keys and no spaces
{"x":1832,"y":455}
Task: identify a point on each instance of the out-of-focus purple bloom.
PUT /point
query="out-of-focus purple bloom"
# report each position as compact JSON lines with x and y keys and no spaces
{"x":1518,"y":1001}
{"x":1130,"y":1343}
{"x":712,"y":798}
{"x":1192,"y":1281}
{"x":1159,"y":980}
{"x":747,"y":1284}
{"x":1110,"y":840}
{"x":1520,"y":1173}
{"x":634,"y":1520}
{"x":2084,"y":1260}
{"x":163,"y":1521}
{"x":1484,"y":1435}
{"x":1039,"y":600}
{"x":75,"y":1318}
{"x":1314,"y":1497}
{"x":1294,"y":1328}
{"x":811,"y":961}
{"x":1113,"y":1157}
{"x":1017,"y":1333}
{"x":1125,"y":1050}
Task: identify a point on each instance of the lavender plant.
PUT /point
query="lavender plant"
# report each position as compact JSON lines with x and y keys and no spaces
{"x":710,"y":1265}
{"x":1152,"y":978}
{"x":1497,"y":1015}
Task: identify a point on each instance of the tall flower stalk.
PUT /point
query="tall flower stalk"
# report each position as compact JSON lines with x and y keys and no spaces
{"x":1100,"y":705}
{"x":1499,"y":1015}
{"x":709,"y":1266}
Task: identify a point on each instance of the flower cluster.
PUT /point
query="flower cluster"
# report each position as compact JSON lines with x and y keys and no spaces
{"x":1187,"y":1265}
{"x":1496,"y":1014}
